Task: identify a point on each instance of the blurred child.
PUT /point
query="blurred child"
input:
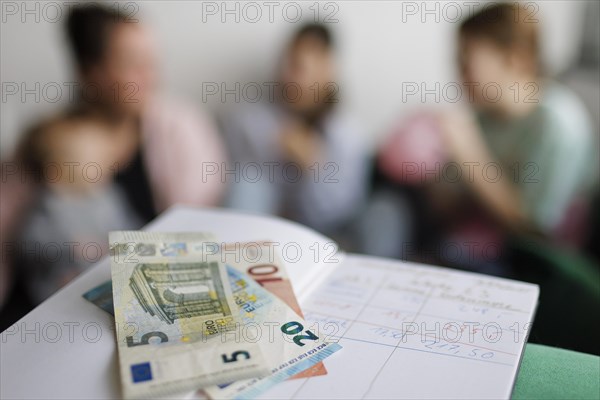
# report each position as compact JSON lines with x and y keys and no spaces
{"x":311,"y":154}
{"x":521,"y":150}
{"x":76,"y":203}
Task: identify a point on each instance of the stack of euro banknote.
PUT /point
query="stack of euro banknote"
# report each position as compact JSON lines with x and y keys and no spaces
{"x":193,"y":315}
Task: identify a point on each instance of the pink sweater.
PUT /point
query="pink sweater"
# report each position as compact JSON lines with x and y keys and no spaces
{"x":180,"y":148}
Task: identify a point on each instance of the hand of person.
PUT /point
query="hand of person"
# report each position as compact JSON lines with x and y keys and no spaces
{"x":300,"y":143}
{"x":461,"y":136}
{"x":468,"y":149}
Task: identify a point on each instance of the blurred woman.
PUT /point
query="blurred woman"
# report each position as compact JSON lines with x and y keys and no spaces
{"x":309,"y":155}
{"x":117,"y":158}
{"x":521,"y":151}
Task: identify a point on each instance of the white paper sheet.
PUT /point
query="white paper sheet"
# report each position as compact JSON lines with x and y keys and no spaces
{"x":414,"y":331}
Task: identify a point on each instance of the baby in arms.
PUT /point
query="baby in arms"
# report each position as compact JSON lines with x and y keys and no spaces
{"x":76,"y":205}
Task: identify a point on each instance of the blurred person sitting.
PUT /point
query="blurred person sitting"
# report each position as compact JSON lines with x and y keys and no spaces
{"x":66,"y":229}
{"x":156,"y":147}
{"x":521,"y":151}
{"x":310,"y":155}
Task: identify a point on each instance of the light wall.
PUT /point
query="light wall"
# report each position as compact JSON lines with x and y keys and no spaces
{"x":381,"y":45}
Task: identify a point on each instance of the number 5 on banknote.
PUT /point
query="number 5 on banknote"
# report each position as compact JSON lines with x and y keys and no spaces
{"x":234,"y":356}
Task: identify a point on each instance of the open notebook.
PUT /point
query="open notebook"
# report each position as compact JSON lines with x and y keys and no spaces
{"x":407,"y":330}
{"x":415,"y":331}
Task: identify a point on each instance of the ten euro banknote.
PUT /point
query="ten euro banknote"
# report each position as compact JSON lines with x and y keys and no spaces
{"x":269,"y":272}
{"x":290,"y":345}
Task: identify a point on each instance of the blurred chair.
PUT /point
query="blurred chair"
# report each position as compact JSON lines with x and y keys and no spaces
{"x":569,"y":303}
{"x":551,"y":373}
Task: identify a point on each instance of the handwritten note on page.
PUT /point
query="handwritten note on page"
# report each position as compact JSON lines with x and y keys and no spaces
{"x":414,"y":331}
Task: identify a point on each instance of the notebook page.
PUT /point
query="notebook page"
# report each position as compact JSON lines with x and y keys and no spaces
{"x":415,"y":331}
{"x":307,"y":254}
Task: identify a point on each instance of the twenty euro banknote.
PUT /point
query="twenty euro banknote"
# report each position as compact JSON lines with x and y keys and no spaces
{"x":267,"y":269}
{"x":171,"y":300}
{"x":270,"y":275}
{"x":290,"y":345}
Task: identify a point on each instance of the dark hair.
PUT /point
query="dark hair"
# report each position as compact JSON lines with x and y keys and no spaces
{"x":88,"y":28}
{"x":316,"y":31}
{"x":508,"y":26}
